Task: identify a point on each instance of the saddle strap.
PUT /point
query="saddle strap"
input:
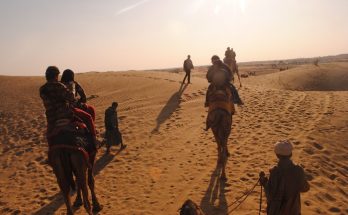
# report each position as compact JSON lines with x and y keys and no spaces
{"x":74,"y":148}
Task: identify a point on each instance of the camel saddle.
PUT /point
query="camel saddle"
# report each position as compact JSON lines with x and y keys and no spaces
{"x":71,"y":135}
{"x":220,"y":98}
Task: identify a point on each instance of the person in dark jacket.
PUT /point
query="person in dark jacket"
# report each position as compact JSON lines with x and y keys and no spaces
{"x":285,"y":183}
{"x":113,"y":135}
{"x":188,"y":65}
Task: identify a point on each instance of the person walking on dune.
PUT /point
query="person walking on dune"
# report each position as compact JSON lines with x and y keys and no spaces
{"x":187,"y":68}
{"x":285,"y":183}
{"x":113,"y":135}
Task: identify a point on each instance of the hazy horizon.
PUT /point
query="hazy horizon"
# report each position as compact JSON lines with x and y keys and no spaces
{"x":148,"y":34}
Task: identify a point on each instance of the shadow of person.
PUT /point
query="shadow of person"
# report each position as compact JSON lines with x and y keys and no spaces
{"x":103,"y":161}
{"x":57,"y":199}
{"x":171,"y":106}
{"x":214,"y":200}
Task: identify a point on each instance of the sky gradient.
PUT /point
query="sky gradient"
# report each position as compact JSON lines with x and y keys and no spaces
{"x":109,"y":35}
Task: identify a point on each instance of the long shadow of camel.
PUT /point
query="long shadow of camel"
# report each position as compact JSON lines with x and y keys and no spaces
{"x":57,"y":199}
{"x":172,"y":104}
{"x":215,"y":191}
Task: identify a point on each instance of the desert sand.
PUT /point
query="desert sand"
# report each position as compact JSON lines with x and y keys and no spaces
{"x":169,"y":157}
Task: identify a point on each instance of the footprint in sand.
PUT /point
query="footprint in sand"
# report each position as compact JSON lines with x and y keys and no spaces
{"x":318,"y":146}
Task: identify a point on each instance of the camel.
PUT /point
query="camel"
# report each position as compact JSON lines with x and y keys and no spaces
{"x":232,"y":64}
{"x":219,"y":119}
{"x":68,"y":157}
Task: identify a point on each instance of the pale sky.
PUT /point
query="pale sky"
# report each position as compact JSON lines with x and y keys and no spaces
{"x":112,"y":35}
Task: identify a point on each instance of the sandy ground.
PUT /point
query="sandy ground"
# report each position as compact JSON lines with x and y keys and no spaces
{"x":169,"y":157}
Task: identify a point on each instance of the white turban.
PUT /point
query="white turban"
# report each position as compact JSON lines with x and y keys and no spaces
{"x":283,"y":147}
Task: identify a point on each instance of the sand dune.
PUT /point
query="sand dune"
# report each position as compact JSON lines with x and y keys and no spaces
{"x":170,"y":157}
{"x":325,"y":77}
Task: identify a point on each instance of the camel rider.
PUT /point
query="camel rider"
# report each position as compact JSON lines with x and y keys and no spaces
{"x":229,"y":53}
{"x":59,"y":103}
{"x":69,"y":81}
{"x":56,"y":98}
{"x":218,"y":65}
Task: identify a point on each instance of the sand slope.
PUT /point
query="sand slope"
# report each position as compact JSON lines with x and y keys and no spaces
{"x":170,"y":157}
{"x":325,"y":77}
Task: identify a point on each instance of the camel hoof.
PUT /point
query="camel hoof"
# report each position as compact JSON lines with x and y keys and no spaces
{"x":77,"y":203}
{"x":97,"y":207}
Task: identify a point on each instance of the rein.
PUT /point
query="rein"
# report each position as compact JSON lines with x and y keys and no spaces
{"x":244,"y":197}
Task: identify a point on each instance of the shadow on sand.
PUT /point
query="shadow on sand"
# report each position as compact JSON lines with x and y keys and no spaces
{"x":57,"y":199}
{"x":214,"y":200}
{"x":172,"y":104}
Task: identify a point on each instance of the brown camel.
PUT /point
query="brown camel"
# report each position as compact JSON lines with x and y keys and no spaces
{"x":68,"y":157}
{"x":219,"y":119}
{"x":232,"y":64}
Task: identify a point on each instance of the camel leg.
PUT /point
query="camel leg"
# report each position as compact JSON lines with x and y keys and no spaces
{"x":91,"y":183}
{"x":223,"y":158}
{"x":223,"y":162}
{"x":216,"y":136}
{"x":62,"y":182}
{"x":78,"y":201}
{"x":221,"y":134}
{"x":96,"y":206}
{"x":224,"y":134}
{"x":81,"y":170}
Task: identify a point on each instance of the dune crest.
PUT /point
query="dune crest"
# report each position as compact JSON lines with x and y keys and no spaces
{"x":325,"y":77}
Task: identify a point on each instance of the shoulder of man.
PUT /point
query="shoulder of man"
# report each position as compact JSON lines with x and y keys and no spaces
{"x":109,"y":111}
{"x":211,"y":68}
{"x":224,"y":66}
{"x":43,"y":87}
{"x":59,"y":85}
{"x":298,"y":169}
{"x":275,"y":171}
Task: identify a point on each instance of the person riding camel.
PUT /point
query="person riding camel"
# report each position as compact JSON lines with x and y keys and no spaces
{"x":57,"y":100}
{"x":230,"y":60}
{"x":83,"y":111}
{"x":220,"y":70}
{"x":59,"y":103}
{"x":68,"y":79}
{"x":229,"y":53}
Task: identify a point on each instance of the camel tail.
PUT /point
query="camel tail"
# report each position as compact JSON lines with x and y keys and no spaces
{"x":217,"y":120}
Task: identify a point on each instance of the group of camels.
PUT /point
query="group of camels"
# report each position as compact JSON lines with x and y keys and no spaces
{"x":68,"y":157}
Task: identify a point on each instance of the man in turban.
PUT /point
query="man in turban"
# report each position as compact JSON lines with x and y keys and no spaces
{"x":285,"y":183}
